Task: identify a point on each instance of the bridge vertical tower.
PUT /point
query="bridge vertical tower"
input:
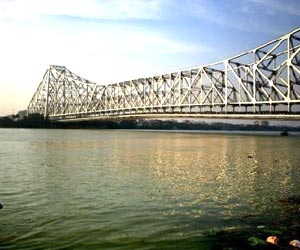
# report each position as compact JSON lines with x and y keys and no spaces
{"x":47,"y":93}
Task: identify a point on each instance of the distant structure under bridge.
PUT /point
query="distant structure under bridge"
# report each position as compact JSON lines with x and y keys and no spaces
{"x":263,"y":83}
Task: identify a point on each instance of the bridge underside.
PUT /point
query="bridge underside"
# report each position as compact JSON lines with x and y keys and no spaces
{"x":263,"y":83}
{"x":281,"y":117}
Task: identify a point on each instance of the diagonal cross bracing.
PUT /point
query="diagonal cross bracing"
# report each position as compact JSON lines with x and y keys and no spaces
{"x":263,"y":80}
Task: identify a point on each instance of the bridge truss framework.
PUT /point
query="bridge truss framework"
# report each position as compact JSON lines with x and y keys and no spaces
{"x":262,"y":82}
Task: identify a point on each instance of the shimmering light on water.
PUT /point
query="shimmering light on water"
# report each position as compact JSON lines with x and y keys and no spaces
{"x":97,"y":189}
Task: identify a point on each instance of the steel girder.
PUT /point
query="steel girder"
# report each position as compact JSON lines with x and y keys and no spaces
{"x":263,"y":80}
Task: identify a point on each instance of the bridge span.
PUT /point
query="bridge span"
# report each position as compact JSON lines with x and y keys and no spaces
{"x":262,"y":83}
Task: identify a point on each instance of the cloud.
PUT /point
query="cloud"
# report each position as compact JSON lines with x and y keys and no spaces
{"x":98,"y":9}
{"x":249,"y":15}
{"x":287,"y":6}
{"x":104,"y":55}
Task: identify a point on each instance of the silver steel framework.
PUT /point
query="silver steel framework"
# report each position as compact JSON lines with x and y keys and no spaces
{"x":264,"y":81}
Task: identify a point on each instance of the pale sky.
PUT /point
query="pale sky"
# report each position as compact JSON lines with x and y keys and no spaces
{"x":108,"y":41}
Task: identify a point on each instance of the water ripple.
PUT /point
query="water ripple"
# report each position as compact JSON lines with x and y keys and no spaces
{"x":74,"y":189}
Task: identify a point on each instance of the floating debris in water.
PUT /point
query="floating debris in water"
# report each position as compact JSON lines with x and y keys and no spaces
{"x":1,"y":206}
{"x":295,"y":243}
{"x":272,"y":240}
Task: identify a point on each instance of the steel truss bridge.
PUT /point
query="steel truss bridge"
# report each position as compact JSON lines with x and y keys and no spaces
{"x":261,"y":83}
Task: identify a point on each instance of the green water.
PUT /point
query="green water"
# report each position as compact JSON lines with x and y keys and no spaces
{"x":103,"y":189}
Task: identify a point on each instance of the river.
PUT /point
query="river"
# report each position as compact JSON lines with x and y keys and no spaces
{"x":118,"y":189}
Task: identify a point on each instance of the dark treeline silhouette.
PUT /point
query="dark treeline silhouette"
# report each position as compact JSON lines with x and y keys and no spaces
{"x":38,"y":121}
{"x":30,"y":121}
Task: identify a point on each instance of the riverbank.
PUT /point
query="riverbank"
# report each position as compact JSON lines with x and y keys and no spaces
{"x":38,"y":121}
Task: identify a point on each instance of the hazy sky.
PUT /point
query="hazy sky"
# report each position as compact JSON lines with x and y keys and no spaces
{"x":107,"y":41}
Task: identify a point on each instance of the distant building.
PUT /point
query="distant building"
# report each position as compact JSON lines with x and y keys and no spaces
{"x":21,"y":114}
{"x":265,"y":123}
{"x":262,"y":123}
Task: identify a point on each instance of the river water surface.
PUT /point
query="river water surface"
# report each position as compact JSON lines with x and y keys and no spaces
{"x":114,"y":189}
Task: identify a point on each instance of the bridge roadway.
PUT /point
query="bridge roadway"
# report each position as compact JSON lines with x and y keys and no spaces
{"x":262,"y":83}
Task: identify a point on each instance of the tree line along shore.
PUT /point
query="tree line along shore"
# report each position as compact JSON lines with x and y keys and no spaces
{"x":38,"y":121}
